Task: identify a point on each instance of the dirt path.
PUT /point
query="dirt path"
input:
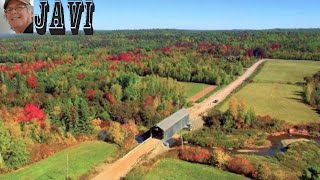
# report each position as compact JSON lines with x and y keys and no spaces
{"x":202,"y":93}
{"x":198,"y":109}
{"x":121,"y":167}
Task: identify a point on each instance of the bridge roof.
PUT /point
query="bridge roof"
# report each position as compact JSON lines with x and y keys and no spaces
{"x":173,"y":119}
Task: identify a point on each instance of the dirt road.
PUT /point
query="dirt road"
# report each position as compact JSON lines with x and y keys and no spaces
{"x":198,"y":109}
{"x":121,"y":167}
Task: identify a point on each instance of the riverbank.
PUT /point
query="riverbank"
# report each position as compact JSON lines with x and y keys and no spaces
{"x":303,"y":130}
{"x":278,"y":144}
{"x":306,"y":132}
{"x":286,"y":142}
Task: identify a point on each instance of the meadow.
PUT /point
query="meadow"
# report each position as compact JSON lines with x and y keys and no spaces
{"x":276,"y":91}
{"x":193,"y":88}
{"x":81,"y":159}
{"x":178,"y":169}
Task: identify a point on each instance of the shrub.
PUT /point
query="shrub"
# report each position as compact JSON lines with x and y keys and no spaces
{"x":70,"y":140}
{"x":136,"y":173}
{"x":17,"y":154}
{"x":269,"y":124}
{"x":96,"y":124}
{"x":264,"y":172}
{"x":213,"y":118}
{"x":241,"y":165}
{"x":82,"y":138}
{"x":220,"y":157}
{"x":42,"y":151}
{"x":195,"y":154}
{"x":114,"y":133}
{"x":129,"y":143}
{"x":13,"y":151}
{"x":311,"y":173}
{"x":210,"y":137}
{"x":35,"y":131}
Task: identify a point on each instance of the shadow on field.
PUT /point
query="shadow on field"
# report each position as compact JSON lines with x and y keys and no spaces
{"x":300,"y":94}
{"x":300,"y":83}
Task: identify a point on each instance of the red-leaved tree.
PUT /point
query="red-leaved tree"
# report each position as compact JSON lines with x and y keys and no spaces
{"x":32,"y":81}
{"x":80,"y":76}
{"x":90,"y":94}
{"x":108,"y":96}
{"x":275,"y":46}
{"x":33,"y":112}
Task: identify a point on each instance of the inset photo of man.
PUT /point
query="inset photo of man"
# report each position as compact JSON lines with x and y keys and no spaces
{"x":17,"y":16}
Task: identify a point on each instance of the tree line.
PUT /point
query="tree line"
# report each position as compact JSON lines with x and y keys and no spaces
{"x":312,"y":90}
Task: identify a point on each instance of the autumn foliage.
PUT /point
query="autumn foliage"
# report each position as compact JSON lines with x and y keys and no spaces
{"x":90,"y":94}
{"x":11,"y":115}
{"x":80,"y":76}
{"x":42,"y":151}
{"x":275,"y":46}
{"x":27,"y":68}
{"x":241,"y":165}
{"x":148,"y":101}
{"x":33,"y":112}
{"x":108,"y":96}
{"x":122,"y":57}
{"x":221,"y":157}
{"x":32,"y":81}
{"x":195,"y":154}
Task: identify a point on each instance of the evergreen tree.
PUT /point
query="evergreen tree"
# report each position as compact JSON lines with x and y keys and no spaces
{"x":83,"y":124}
{"x":66,"y":115}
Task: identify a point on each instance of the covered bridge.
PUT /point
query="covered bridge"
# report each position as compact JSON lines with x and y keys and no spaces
{"x":171,"y":125}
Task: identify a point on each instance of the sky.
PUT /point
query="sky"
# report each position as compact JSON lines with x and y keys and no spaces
{"x":199,"y":14}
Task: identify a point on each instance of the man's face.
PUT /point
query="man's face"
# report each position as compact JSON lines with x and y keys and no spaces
{"x":18,"y":15}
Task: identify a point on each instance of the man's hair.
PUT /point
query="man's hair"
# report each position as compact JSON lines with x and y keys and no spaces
{"x":29,"y":8}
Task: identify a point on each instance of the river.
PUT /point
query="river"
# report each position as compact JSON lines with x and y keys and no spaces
{"x":276,"y":145}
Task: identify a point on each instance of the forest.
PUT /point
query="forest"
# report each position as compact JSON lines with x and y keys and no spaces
{"x":63,"y":89}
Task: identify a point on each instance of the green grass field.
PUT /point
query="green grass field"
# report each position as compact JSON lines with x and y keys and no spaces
{"x":82,"y":158}
{"x":274,"y":92}
{"x":193,"y":88}
{"x":177,"y":169}
{"x":282,"y":71}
